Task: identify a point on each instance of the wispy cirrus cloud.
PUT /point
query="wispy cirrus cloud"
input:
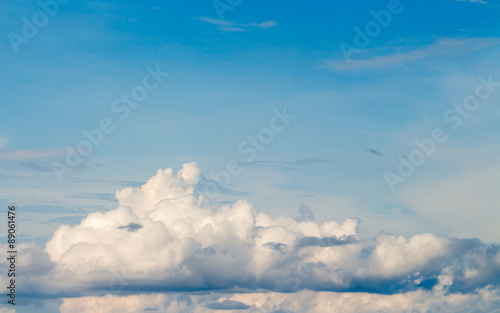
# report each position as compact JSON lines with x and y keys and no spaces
{"x":3,"y":141}
{"x":444,"y":47}
{"x":32,"y":166}
{"x":287,"y":165}
{"x":97,"y":196}
{"x":474,"y":1}
{"x":228,"y":26}
{"x":30,"y":154}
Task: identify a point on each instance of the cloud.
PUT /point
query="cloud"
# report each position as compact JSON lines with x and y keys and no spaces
{"x":98,"y":196}
{"x":186,"y":245}
{"x":228,"y":26}
{"x":445,"y":47}
{"x":467,"y":200}
{"x":216,"y":21}
{"x":33,"y":166}
{"x":232,"y":29}
{"x":287,"y":165}
{"x":483,"y":301}
{"x":473,"y":1}
{"x":207,"y":182}
{"x":309,"y":161}
{"x":3,"y":141}
{"x":268,"y":24}
{"x":47,"y":208}
{"x":228,"y":305}
{"x":112,"y":304}
{"x":127,"y":183}
{"x":37,"y":167}
{"x":33,"y":267}
{"x":305,"y":214}
{"x":163,"y":237}
{"x":30,"y":154}
{"x":266,"y":163}
{"x":64,"y":220}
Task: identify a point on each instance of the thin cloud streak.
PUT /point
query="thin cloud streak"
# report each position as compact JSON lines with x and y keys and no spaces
{"x":444,"y":47}
{"x":228,"y":26}
{"x":27,"y":154}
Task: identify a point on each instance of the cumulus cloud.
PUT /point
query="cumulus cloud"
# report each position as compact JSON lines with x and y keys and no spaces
{"x":483,"y":301}
{"x":227,"y":305}
{"x":305,"y":214}
{"x":33,"y":267}
{"x":164,"y":237}
{"x":112,"y":304}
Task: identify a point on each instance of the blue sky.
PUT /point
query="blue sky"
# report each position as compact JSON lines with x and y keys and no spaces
{"x":353,"y":121}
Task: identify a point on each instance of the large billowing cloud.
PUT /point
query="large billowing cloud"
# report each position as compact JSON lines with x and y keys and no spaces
{"x":164,"y":237}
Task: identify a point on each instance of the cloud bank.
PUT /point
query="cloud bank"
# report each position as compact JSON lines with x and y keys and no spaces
{"x":485,"y":300}
{"x":163,"y":237}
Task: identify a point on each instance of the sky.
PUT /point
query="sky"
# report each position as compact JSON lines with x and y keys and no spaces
{"x":251,"y":156}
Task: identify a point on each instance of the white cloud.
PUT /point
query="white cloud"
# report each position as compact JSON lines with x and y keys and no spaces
{"x":485,"y":300}
{"x":178,"y":243}
{"x":216,"y":21}
{"x":445,"y":47}
{"x":473,"y":1}
{"x":329,"y":302}
{"x":264,"y":25}
{"x":228,"y":26}
{"x":33,"y":267}
{"x":113,"y":304}
{"x":163,"y":237}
